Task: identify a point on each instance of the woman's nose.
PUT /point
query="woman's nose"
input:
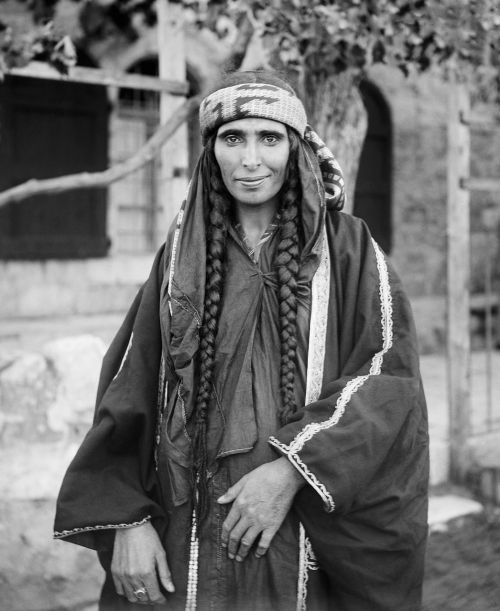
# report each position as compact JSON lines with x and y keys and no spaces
{"x":251,"y":156}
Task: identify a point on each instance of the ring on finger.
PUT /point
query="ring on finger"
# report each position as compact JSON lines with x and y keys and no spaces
{"x":140,"y":593}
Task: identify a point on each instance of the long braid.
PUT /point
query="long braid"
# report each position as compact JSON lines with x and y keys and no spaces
{"x":287,"y":267}
{"x":217,"y":225}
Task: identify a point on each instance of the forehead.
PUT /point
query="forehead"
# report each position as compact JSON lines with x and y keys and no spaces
{"x":254,"y":125}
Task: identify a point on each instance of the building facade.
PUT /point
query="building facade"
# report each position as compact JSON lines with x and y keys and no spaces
{"x":86,"y":252}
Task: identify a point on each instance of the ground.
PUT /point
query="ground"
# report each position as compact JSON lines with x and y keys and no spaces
{"x":463,"y":565}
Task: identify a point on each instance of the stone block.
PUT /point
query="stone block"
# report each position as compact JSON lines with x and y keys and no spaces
{"x":443,"y":509}
{"x":76,"y":363}
{"x":47,"y":405}
{"x":46,"y":299}
{"x":27,"y":391}
{"x":439,"y":462}
{"x":38,"y":573}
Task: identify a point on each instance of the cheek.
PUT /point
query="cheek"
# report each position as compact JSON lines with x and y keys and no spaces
{"x":225,"y":165}
{"x":280,"y":166}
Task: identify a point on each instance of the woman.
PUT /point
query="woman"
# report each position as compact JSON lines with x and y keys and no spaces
{"x":260,"y":439}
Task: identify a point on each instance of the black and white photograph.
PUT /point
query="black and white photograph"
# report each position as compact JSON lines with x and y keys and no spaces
{"x":250,"y":305}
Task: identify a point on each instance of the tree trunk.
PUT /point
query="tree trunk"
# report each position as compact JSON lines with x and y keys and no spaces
{"x":335,"y":110}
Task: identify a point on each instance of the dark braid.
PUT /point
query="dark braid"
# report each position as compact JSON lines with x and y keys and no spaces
{"x":287,"y":267}
{"x":217,"y":223}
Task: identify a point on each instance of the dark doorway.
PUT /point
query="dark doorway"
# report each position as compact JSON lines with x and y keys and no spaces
{"x":52,"y":128}
{"x":373,"y":194}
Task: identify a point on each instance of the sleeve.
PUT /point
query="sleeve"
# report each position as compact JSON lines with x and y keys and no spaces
{"x":111,"y":482}
{"x":371,"y":400}
{"x":362,"y":442}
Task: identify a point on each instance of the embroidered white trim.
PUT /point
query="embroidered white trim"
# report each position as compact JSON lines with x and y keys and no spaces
{"x":303,"y":574}
{"x":311,"y":479}
{"x":307,"y":562}
{"x":311,"y":429}
{"x":124,"y":356}
{"x":173,"y":255}
{"x":192,"y":584}
{"x":77,"y":531}
{"x":161,"y":403}
{"x":320,"y":292}
{"x":312,"y":563}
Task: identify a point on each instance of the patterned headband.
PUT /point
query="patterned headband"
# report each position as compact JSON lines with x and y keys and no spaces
{"x":270,"y":102}
{"x":251,"y":100}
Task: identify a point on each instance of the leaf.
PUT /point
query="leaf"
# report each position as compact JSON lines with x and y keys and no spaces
{"x":378,"y":52}
{"x":414,"y":40}
{"x":403,"y":66}
{"x":64,"y":54}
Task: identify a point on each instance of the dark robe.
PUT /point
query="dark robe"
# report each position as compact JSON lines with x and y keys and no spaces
{"x":355,"y":538}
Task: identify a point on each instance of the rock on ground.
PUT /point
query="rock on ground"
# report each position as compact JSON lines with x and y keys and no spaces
{"x":46,"y":405}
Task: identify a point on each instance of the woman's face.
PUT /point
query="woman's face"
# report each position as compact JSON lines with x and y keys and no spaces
{"x":252,"y":155}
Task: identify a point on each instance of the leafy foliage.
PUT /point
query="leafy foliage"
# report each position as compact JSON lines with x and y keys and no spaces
{"x":322,"y":37}
{"x":337,"y":35}
{"x":98,"y":19}
{"x":41,"y":43}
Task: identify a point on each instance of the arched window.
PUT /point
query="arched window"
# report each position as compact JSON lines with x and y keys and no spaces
{"x":52,"y":128}
{"x":373,"y":194}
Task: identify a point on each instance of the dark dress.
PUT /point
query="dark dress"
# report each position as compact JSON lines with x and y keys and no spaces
{"x":355,"y":538}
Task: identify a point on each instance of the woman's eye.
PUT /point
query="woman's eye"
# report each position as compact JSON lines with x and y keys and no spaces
{"x":270,"y":139}
{"x":232,"y":139}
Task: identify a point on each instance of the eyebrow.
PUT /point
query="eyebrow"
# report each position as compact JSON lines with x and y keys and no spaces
{"x":241,"y":132}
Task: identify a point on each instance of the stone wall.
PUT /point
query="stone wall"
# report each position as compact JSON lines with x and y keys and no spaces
{"x":46,"y":406}
{"x":419,"y":120}
{"x":56,"y":288}
{"x":418,"y":112}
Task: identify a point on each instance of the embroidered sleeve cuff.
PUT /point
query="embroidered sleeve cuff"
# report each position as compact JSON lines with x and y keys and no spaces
{"x":302,"y":468}
{"x":86,"y":529}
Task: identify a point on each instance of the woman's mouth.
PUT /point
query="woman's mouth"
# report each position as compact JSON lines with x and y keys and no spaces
{"x":251,"y":181}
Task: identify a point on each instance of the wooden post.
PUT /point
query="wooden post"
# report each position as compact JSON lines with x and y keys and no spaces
{"x":174,"y":158}
{"x":458,"y":293}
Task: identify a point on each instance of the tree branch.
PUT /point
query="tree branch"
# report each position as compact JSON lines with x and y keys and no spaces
{"x":246,"y":29}
{"x":85,"y":180}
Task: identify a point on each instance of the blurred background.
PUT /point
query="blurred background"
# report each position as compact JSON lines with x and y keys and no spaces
{"x":98,"y":139}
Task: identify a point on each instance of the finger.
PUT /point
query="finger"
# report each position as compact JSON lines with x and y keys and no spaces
{"x":141,"y":592}
{"x":164,"y":573}
{"x":229,"y":523}
{"x":235,"y":538}
{"x":247,"y":540}
{"x":128,"y":589}
{"x":230,"y":494}
{"x":118,"y":585}
{"x":153,"y":589}
{"x":264,"y":543}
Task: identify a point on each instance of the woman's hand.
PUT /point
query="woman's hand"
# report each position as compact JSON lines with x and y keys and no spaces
{"x":140,"y":563}
{"x":261,"y":500}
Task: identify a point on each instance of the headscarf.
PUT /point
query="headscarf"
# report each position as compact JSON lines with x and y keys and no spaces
{"x":268,"y":101}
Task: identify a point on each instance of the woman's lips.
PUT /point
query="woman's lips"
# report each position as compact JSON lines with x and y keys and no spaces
{"x":254,"y":181}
